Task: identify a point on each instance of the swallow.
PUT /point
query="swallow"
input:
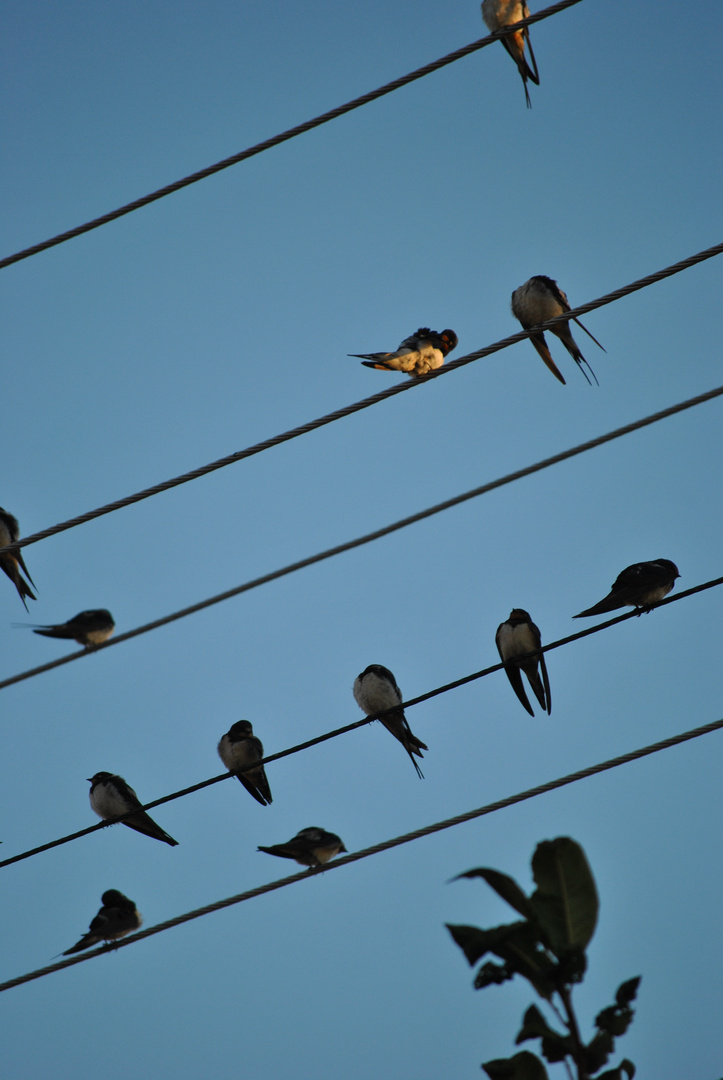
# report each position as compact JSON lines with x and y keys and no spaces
{"x":88,"y":628}
{"x":117,"y":918}
{"x":12,"y":562}
{"x":310,"y":847}
{"x":498,"y":14}
{"x":538,"y":300}
{"x":239,"y":747}
{"x":513,"y":638}
{"x":110,"y":797}
{"x":641,"y":586}
{"x":420,"y":353}
{"x":375,"y":690}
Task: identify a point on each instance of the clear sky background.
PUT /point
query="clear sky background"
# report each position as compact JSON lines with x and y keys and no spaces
{"x":223,"y":315}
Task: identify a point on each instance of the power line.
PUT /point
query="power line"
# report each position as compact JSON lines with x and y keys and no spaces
{"x":365,"y":403}
{"x":446,"y":688}
{"x":300,"y":129}
{"x":367,"y":538}
{"x":386,"y":845}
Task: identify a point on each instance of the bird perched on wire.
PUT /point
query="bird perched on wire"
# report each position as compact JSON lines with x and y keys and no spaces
{"x":110,"y":797}
{"x":538,"y":300}
{"x":310,"y":847}
{"x":641,"y":586}
{"x":117,"y":918}
{"x":88,"y":628}
{"x":12,"y":562}
{"x":376,"y":690}
{"x":239,"y":747}
{"x":498,"y":14}
{"x":422,"y":352}
{"x":514,"y":638}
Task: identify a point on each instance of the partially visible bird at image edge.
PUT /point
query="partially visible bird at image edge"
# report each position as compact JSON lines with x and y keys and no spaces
{"x":498,"y":14}
{"x":12,"y":562}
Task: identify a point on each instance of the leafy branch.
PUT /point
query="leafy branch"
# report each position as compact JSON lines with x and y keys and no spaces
{"x":547,"y":947}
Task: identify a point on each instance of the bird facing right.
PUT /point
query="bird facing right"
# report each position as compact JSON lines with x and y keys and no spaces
{"x":88,"y":628}
{"x":310,"y":847}
{"x":420,"y":353}
{"x":117,"y":918}
{"x":641,"y":585}
{"x":538,"y":300}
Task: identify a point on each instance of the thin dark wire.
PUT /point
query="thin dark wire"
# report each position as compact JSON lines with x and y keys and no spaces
{"x":349,"y":545}
{"x":300,"y":129}
{"x":357,"y":724}
{"x":365,"y":403}
{"x":375,"y":849}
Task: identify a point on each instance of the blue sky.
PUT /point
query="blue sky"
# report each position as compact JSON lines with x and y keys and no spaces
{"x":223,"y":315}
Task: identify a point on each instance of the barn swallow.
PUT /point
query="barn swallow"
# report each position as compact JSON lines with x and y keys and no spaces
{"x":239,"y":747}
{"x":641,"y":586}
{"x":513,"y":638}
{"x":310,"y":847}
{"x":420,"y":353}
{"x":498,"y":14}
{"x":117,"y":918}
{"x":538,"y":300}
{"x":110,"y":796}
{"x":88,"y":628}
{"x":375,"y":690}
{"x":12,"y":562}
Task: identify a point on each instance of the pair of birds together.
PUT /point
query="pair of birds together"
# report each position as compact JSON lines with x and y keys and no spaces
{"x":538,"y":300}
{"x":88,"y":628}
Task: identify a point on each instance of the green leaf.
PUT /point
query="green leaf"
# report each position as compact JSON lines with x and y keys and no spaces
{"x":521,"y":950}
{"x":555,"y":1047}
{"x":598,"y":1050}
{"x":614,"y":1020}
{"x":504,"y":886}
{"x":523,"y":1066}
{"x":617,"y":1074}
{"x":628,"y":991}
{"x":565,"y":902}
{"x":474,"y":942}
{"x":492,"y":975}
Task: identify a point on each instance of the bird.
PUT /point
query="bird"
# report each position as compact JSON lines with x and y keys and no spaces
{"x":641,"y":586}
{"x":538,"y":300}
{"x":310,"y":847}
{"x":515,"y":637}
{"x":422,"y":352}
{"x":239,"y":747}
{"x":498,"y":14}
{"x":110,"y":797}
{"x":12,"y":562}
{"x":117,"y":918}
{"x":88,"y":628}
{"x":375,"y":690}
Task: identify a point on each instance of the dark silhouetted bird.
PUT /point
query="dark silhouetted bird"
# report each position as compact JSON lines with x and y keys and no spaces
{"x":117,"y":918}
{"x":376,"y":690}
{"x":110,"y":796}
{"x":310,"y":847}
{"x":12,"y":562}
{"x":239,"y":747}
{"x":641,"y":585}
{"x":515,"y":637}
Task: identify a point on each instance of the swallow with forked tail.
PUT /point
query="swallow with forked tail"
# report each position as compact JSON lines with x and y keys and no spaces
{"x":310,"y":847}
{"x":538,"y":300}
{"x":641,"y":586}
{"x":498,"y":14}
{"x":239,"y":747}
{"x":110,"y":797}
{"x":117,"y":918}
{"x":420,"y":353}
{"x":12,"y":562}
{"x":376,"y":690}
{"x":88,"y":628}
{"x":514,"y":638}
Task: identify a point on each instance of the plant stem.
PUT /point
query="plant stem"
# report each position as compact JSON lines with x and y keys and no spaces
{"x":578,"y":1052}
